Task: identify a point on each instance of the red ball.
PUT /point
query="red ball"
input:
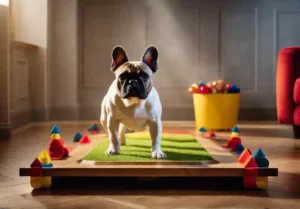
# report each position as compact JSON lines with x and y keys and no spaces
{"x":205,"y":90}
{"x":228,"y":86}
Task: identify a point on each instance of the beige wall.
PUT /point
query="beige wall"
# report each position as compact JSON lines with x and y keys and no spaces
{"x":29,"y":20}
{"x":198,"y":40}
{"x":63,"y":59}
{"x":4,"y":95}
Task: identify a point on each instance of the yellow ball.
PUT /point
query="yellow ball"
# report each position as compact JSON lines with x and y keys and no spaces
{"x":194,"y":85}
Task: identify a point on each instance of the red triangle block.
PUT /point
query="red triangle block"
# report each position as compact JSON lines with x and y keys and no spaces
{"x":212,"y":134}
{"x":244,"y":156}
{"x":250,"y":163}
{"x":233,"y":142}
{"x":56,"y":150}
{"x":84,"y":140}
{"x":36,"y":164}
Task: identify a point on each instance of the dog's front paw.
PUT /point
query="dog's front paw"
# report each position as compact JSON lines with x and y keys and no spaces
{"x":112,"y":151}
{"x":158,"y":154}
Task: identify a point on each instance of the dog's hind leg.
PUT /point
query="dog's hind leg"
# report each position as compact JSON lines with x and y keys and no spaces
{"x":121,"y":133}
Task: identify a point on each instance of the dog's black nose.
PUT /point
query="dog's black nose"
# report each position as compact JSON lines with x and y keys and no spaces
{"x":133,"y":82}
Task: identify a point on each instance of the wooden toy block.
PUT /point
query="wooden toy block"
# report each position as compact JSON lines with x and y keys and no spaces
{"x":84,"y":140}
{"x":250,"y":163}
{"x":50,"y":165}
{"x":262,"y":182}
{"x":55,"y":136}
{"x":259,"y":153}
{"x":56,"y":150}
{"x":244,"y":156}
{"x":41,"y":182}
{"x":36,"y":163}
{"x":66,"y":152}
{"x":212,"y":135}
{"x":250,"y":182}
{"x":234,"y":134}
{"x":250,"y":178}
{"x":262,"y":162}
{"x":60,"y":140}
{"x":55,"y":130}
{"x":77,"y":137}
{"x":44,"y":158}
{"x":233,"y":143}
{"x":34,"y":172}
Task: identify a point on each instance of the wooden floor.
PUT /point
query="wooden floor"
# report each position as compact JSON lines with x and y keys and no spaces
{"x":281,"y":149}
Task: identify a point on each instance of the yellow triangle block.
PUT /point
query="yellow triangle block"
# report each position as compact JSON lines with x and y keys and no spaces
{"x":262,"y":182}
{"x":235,"y":134}
{"x":44,"y":158}
{"x":55,"y":136}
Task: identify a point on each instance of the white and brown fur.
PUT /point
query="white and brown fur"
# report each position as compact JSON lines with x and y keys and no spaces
{"x":134,"y":113}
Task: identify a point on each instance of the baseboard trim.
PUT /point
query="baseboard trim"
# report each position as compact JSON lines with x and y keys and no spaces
{"x":20,"y":118}
{"x":5,"y":132}
{"x":64,"y":113}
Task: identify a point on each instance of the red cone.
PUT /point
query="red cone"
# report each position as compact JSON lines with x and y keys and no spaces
{"x":233,"y":142}
{"x":56,"y":150}
{"x":84,"y":140}
{"x":66,"y":152}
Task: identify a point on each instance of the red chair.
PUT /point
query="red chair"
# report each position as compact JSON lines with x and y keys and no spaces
{"x":288,"y":88}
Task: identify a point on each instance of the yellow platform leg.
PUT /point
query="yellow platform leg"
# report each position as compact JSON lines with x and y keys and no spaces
{"x":43,"y":182}
{"x":216,"y":111}
{"x":262,"y":182}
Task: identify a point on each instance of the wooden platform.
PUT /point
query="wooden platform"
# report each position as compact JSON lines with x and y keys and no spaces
{"x":225,"y":164}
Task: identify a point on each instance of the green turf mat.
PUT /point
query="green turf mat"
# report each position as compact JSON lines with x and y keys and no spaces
{"x":177,"y":147}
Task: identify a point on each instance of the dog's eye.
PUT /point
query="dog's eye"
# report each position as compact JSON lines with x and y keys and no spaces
{"x":122,"y":77}
{"x":144,"y":77}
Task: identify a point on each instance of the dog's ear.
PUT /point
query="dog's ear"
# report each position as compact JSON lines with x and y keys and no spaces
{"x":119,"y":57}
{"x":150,"y":58}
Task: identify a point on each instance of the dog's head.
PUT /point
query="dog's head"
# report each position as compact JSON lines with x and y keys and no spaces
{"x":134,"y":78}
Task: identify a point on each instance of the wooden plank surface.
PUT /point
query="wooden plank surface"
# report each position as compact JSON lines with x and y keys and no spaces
{"x":165,"y":171}
{"x":225,"y":164}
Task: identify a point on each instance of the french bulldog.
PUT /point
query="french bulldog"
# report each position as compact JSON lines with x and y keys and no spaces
{"x":131,"y":101}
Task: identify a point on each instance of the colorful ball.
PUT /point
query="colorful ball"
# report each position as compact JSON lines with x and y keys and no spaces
{"x":201,"y":83}
{"x":204,"y":90}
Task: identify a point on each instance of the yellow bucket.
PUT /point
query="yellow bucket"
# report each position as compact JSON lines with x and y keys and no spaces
{"x":216,"y":111}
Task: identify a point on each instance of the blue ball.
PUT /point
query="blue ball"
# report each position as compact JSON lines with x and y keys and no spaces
{"x":233,"y":89}
{"x":201,"y":83}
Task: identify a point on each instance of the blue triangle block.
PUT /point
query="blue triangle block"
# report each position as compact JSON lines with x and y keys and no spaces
{"x":235,"y":129}
{"x":259,"y":153}
{"x":50,"y":165}
{"x":93,"y":127}
{"x":238,"y":152}
{"x":202,"y":129}
{"x":77,"y":137}
{"x":201,"y":83}
{"x":55,"y":130}
{"x":240,"y":147}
